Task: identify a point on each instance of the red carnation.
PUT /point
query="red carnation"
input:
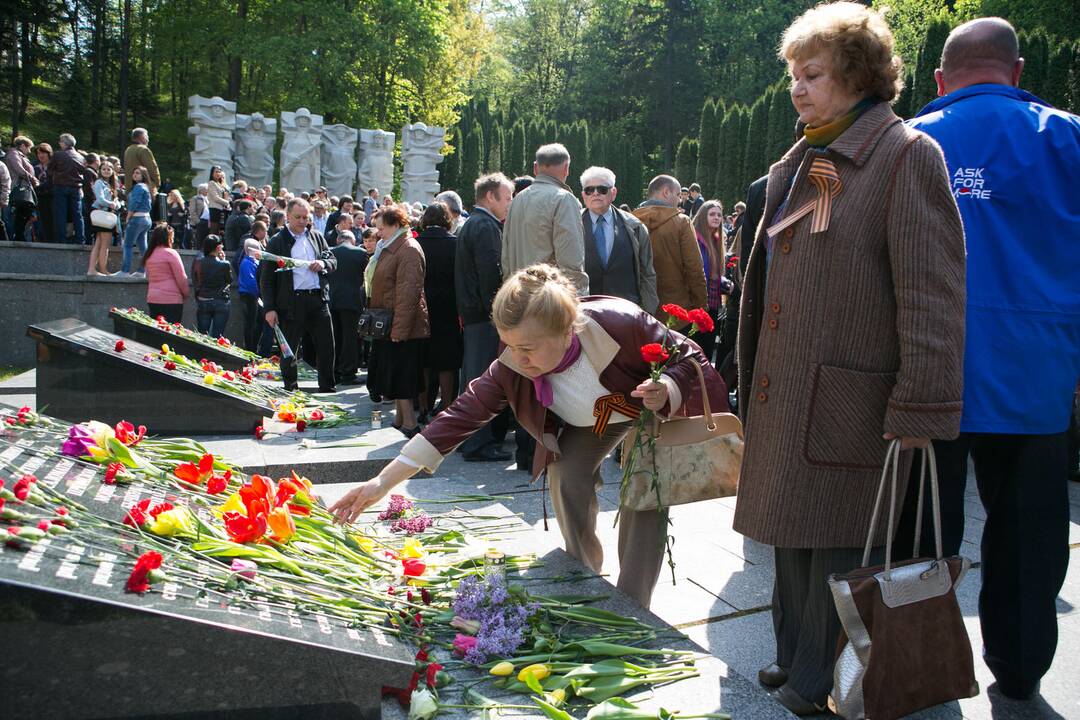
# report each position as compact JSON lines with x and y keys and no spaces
{"x":170,"y":365}
{"x":317,"y":415}
{"x":301,"y":426}
{"x":676,"y":311}
{"x":119,"y":347}
{"x":112,"y":471}
{"x":160,"y":508}
{"x":136,"y":516}
{"x":259,"y":432}
{"x":216,"y":485}
{"x":653,"y":353}
{"x":139,"y":580}
{"x":22,"y":487}
{"x":702,"y":320}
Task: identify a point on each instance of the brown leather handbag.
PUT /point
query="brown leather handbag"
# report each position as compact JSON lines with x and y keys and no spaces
{"x":904,"y":646}
{"x":695,"y":458}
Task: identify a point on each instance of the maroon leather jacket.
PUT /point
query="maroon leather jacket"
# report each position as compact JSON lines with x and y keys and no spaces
{"x":614,"y":332}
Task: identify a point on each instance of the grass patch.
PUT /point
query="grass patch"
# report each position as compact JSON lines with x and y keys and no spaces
{"x":9,"y":371}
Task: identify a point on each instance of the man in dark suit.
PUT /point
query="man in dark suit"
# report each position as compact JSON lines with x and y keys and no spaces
{"x":477,"y":277}
{"x":299,"y":298}
{"x":237,"y":226}
{"x":347,"y":302}
{"x":618,"y":254}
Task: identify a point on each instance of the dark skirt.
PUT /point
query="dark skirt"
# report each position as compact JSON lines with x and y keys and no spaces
{"x":445,"y":348}
{"x":396,"y":369}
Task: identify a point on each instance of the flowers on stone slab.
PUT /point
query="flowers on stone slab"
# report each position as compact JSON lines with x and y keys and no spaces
{"x":196,"y":474}
{"x":140,"y":578}
{"x":503,"y":615}
{"x":172,"y":521}
{"x":126,"y":433}
{"x":119,"y":346}
{"x":405,"y":517}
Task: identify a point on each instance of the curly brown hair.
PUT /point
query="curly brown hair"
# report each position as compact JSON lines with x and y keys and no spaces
{"x":859,"y":42}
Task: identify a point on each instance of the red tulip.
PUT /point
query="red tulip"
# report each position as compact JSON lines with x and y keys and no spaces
{"x":216,"y":485}
{"x":413,"y":567}
{"x":243,"y":529}
{"x":301,"y":425}
{"x":316,"y":415}
{"x":196,"y":474}
{"x":119,"y":347}
{"x":125,"y":433}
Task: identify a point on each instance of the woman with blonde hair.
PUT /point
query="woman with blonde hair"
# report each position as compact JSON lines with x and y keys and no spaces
{"x":563,"y":355}
{"x":177,"y":217}
{"x":851,"y":331}
{"x":106,"y":190}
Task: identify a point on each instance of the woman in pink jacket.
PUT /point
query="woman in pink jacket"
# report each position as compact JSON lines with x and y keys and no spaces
{"x":168,"y":285}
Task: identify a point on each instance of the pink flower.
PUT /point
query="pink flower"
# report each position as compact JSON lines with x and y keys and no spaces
{"x":463,"y":644}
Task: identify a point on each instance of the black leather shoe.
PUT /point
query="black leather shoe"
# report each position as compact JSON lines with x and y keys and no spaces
{"x":772,"y":676}
{"x":488,"y":453}
{"x":410,"y":432}
{"x":794,"y":702}
{"x":325,"y":391}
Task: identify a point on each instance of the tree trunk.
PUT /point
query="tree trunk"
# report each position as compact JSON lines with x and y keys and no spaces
{"x":236,"y":67}
{"x":125,"y":70}
{"x":97,"y":40}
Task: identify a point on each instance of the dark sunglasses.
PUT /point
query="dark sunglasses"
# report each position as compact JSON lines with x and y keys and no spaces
{"x":596,"y":189}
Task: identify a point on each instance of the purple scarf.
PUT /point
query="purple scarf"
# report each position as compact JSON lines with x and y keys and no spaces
{"x":542,"y":386}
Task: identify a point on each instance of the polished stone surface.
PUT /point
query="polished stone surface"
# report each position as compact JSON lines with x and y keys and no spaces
{"x":77,"y":644}
{"x":80,"y":376}
{"x":155,"y":338}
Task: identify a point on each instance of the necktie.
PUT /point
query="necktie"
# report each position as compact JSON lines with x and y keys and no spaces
{"x":600,"y":236}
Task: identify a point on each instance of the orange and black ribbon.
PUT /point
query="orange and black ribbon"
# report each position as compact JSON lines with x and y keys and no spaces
{"x":615,"y":402}
{"x":827,"y":181}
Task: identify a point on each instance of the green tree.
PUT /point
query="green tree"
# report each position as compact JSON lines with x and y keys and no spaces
{"x":923,"y":86}
{"x":632,"y":178}
{"x":470,"y":163}
{"x":450,"y":167}
{"x":754,"y":163}
{"x":495,"y":147}
{"x":1056,"y":87}
{"x":902,"y":106}
{"x":515,"y":157}
{"x":782,"y":118}
{"x":1034,"y":50}
{"x":686,"y":160}
{"x":708,"y":148}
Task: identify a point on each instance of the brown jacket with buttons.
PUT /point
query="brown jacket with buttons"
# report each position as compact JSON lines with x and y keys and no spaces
{"x":398,"y":284}
{"x":858,"y":332}
{"x":680,"y":274}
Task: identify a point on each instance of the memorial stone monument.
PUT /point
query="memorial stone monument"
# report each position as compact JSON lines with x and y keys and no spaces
{"x":376,"y":169}
{"x":339,"y":159}
{"x":213,"y":131}
{"x":301,"y":150}
{"x":255,"y":136}
{"x":420,"y":153}
{"x":77,"y":645}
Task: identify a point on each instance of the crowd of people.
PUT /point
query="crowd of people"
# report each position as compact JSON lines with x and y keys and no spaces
{"x":858,"y":296}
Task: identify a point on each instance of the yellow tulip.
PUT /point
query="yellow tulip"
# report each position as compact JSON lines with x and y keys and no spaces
{"x":539,"y":671}
{"x":233,"y":504}
{"x":366,"y":544}
{"x":165,"y":348}
{"x":177,"y":521}
{"x":556,"y":697}
{"x":209,"y":378}
{"x":98,"y":453}
{"x":100,"y":431}
{"x":502,"y":669}
{"x":412,"y":549}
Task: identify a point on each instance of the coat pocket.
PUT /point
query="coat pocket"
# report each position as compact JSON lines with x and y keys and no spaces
{"x":846,"y":418}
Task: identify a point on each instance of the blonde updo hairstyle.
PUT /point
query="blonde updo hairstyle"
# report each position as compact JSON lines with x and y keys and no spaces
{"x":540,"y":293}
{"x":859,"y":43}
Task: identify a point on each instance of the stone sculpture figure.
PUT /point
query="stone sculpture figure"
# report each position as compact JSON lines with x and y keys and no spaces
{"x":420,"y":153}
{"x":213,"y":130}
{"x":339,"y":159}
{"x":376,"y":169}
{"x":301,"y":150}
{"x":255,"y":136}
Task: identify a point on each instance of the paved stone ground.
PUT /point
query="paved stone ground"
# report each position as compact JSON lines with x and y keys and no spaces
{"x":722,"y":595}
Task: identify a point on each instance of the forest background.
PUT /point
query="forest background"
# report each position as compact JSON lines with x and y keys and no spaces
{"x":692,"y":87}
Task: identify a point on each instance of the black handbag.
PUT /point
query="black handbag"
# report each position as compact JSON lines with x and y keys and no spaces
{"x":375,"y":323}
{"x":23,"y":197}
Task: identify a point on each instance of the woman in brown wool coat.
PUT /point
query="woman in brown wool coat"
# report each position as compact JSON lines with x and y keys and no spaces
{"x":851,"y":328}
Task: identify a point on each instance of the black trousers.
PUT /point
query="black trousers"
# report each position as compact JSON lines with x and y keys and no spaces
{"x":347,"y":336}
{"x":1025,"y":543}
{"x":481,"y":349}
{"x":172,"y":312}
{"x":804,"y":617}
{"x":253,"y":320}
{"x":311,"y":316}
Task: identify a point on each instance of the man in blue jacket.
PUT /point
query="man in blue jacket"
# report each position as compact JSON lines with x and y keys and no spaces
{"x":1014,"y":164}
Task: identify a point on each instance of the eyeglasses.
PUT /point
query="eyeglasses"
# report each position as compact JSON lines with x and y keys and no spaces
{"x":596,"y":190}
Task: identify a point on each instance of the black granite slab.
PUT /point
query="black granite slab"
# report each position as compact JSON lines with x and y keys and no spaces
{"x":76,"y":645}
{"x":152,"y":336}
{"x":81,"y":376}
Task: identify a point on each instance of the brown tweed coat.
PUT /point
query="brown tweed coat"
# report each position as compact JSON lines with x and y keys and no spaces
{"x":859,"y":331}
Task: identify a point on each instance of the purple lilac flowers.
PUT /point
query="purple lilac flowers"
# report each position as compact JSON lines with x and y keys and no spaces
{"x":406,"y":518}
{"x":503,"y":619}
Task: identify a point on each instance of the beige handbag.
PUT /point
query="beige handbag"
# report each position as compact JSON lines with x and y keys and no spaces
{"x":696,"y":458}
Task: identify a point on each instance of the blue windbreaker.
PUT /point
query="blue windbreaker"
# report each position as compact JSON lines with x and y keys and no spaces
{"x":1014,"y":165}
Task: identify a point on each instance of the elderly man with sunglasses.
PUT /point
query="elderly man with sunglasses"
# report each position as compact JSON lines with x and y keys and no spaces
{"x":618,"y":254}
